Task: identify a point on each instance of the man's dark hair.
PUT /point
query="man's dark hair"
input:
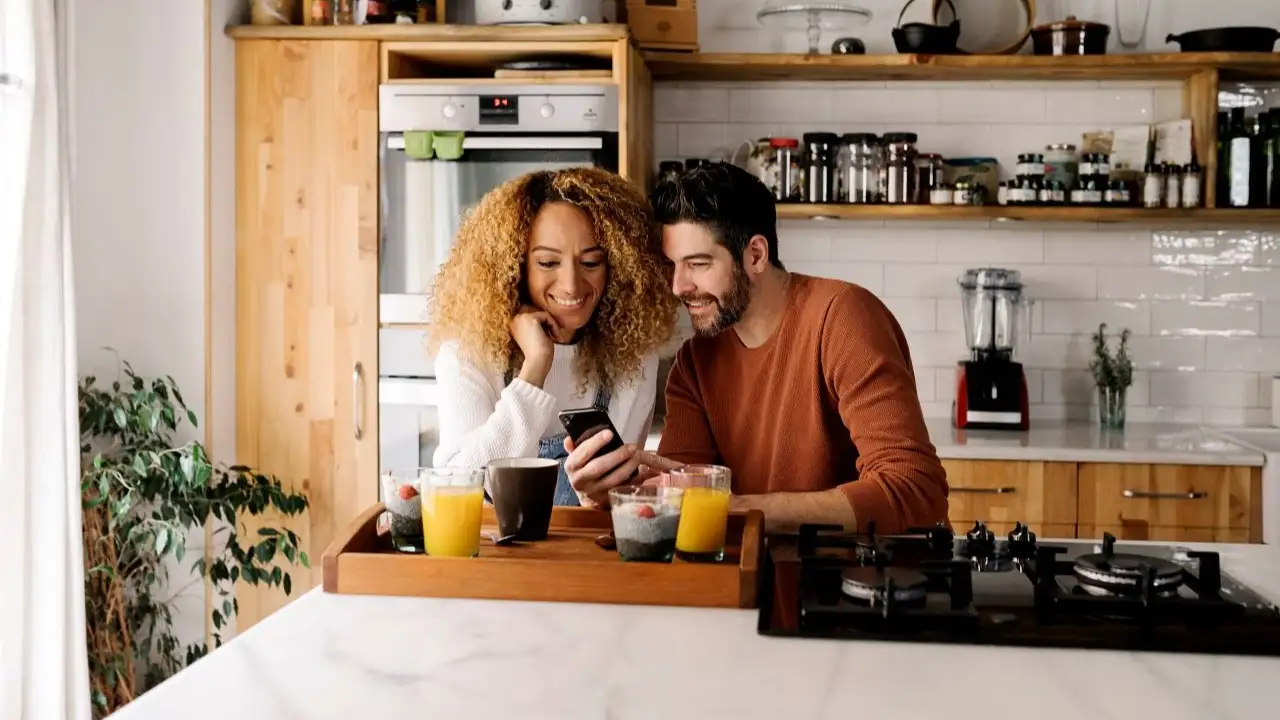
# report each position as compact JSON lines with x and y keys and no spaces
{"x":730,"y":202}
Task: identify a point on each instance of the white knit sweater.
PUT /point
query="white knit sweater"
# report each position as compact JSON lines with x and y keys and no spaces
{"x":481,"y":421}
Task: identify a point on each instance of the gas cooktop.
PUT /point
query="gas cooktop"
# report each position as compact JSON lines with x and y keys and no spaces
{"x":929,"y":585}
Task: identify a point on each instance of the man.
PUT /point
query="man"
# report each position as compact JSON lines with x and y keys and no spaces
{"x":802,"y":386}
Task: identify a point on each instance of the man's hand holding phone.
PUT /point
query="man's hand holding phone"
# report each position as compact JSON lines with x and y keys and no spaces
{"x":593,"y":477}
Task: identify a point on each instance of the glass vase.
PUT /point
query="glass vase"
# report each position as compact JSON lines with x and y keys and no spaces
{"x":1111,"y":407}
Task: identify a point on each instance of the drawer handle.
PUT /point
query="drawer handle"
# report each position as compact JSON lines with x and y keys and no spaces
{"x":985,"y":491}
{"x":1165,"y":496}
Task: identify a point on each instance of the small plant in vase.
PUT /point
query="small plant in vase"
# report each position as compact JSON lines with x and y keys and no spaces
{"x":1112,"y":374}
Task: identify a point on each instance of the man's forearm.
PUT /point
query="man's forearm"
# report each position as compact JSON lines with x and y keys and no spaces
{"x":786,"y":511}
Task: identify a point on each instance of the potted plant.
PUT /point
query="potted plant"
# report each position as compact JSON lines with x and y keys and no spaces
{"x":141,"y":493}
{"x":1112,"y":375}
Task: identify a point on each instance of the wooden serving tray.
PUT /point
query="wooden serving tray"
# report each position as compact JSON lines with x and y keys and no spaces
{"x":566,"y":567}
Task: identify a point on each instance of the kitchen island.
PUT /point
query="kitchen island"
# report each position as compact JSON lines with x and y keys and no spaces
{"x":336,"y":656}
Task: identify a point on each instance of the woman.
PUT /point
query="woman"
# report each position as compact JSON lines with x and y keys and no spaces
{"x":555,"y":296}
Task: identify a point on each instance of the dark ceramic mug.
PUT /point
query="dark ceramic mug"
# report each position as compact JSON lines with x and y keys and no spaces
{"x":522,"y":491}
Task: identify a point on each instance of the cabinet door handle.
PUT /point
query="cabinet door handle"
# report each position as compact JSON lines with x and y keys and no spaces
{"x":357,"y":399}
{"x":1165,"y":496}
{"x":985,"y":491}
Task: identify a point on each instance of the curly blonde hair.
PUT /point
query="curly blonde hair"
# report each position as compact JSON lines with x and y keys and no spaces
{"x":478,"y":289}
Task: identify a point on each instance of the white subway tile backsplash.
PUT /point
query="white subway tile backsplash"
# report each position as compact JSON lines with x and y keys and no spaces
{"x":691,"y":104}
{"x":1243,"y":282}
{"x":1203,"y":304}
{"x":1213,"y":389}
{"x":1150,"y":283}
{"x":1244,"y":354}
{"x":1209,"y":318}
{"x":1066,"y":317}
{"x":991,"y":247}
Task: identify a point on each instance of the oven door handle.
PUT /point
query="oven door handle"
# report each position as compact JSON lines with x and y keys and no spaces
{"x":517,"y":142}
{"x":1193,"y":495}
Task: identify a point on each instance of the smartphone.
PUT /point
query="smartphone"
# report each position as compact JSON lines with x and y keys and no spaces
{"x":586,"y":422}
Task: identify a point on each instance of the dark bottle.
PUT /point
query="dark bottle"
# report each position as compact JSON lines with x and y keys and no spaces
{"x":1260,"y":132}
{"x":1273,"y":162}
{"x":378,"y":12}
{"x":1220,"y":177}
{"x":1239,"y":161}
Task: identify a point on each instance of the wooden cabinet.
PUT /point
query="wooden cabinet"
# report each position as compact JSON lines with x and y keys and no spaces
{"x":1133,"y":501}
{"x":307,"y":283}
{"x":307,"y":214}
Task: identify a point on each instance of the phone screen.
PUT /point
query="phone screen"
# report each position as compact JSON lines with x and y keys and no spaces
{"x":583,"y":424}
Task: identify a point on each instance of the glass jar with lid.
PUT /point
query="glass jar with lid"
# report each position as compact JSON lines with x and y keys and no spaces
{"x":822,"y":150}
{"x":931,"y":172}
{"x":861,"y":165}
{"x":1061,"y":164}
{"x":900,"y":161}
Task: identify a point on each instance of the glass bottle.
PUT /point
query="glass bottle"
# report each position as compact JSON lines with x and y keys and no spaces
{"x":1239,"y":158}
{"x":344,"y":12}
{"x":1153,"y":186}
{"x":1172,"y":186}
{"x":1273,"y":163}
{"x":1191,"y":185}
{"x":377,"y":12}
{"x":1220,"y":176}
{"x":426,"y":11}
{"x":1260,"y":130}
{"x":861,"y":168}
{"x":900,"y":159}
{"x":1117,"y":193}
{"x":822,"y":151}
{"x":321,"y":12}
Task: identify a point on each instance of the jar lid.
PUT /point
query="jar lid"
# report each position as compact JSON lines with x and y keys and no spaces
{"x":928,"y":156}
{"x":821,"y":138}
{"x":900,"y":137}
{"x":1191,"y":167}
{"x":781,"y":142}
{"x":1154,"y":168}
{"x":1071,"y":23}
{"x":1060,"y":147}
{"x":860,"y":138}
{"x":964,"y":185}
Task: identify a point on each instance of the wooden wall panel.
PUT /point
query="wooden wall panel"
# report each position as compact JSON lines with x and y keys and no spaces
{"x":635,"y":143}
{"x":307,"y":270}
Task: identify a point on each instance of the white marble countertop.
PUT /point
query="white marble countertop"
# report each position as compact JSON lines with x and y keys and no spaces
{"x":1055,"y":441}
{"x":344,"y":657}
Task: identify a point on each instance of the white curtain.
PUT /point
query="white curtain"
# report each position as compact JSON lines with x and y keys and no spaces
{"x":43,"y":661}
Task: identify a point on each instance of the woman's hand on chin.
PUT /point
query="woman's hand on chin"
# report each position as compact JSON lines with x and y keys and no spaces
{"x":532,"y":329}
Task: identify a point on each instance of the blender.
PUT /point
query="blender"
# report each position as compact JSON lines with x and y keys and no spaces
{"x":991,"y":388}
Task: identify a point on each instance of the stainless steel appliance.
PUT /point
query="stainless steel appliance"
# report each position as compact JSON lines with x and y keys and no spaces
{"x":493,"y":133}
{"x":538,"y":12}
{"x":991,"y":387}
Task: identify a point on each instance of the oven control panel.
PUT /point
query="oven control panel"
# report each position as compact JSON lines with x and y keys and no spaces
{"x":542,"y":108}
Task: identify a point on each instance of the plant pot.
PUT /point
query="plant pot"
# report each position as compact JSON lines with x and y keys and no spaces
{"x":1111,"y":407}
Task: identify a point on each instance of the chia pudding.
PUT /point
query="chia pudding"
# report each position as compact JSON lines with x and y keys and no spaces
{"x":644,"y":527}
{"x":404,"y":507}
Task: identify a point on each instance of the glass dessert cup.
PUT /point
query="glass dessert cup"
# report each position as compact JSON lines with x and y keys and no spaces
{"x":400,"y":494}
{"x":452,"y":508}
{"x":704,"y":517}
{"x":645,"y":520}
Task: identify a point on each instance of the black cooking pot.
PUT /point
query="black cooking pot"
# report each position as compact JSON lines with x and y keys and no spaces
{"x":924,"y":38}
{"x":1228,"y":39}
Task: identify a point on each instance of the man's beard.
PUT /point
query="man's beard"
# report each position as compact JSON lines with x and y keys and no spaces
{"x":730,"y":308}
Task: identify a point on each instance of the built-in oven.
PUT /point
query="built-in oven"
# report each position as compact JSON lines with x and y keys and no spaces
{"x":442,"y":148}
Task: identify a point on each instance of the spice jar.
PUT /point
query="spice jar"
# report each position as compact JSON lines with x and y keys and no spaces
{"x":1191,"y":185}
{"x":1172,"y":186}
{"x":1002,"y":192}
{"x":942,"y":194}
{"x":822,"y":151}
{"x":1061,"y":164}
{"x":900,"y":157}
{"x":1030,"y":164}
{"x":1117,"y":193}
{"x":1052,"y":192}
{"x":1025,"y":190}
{"x":786,"y":158}
{"x":931,"y":172}
{"x":861,"y":165}
{"x":1153,"y":186}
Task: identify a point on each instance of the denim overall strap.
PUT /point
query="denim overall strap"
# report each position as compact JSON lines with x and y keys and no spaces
{"x":552,"y":448}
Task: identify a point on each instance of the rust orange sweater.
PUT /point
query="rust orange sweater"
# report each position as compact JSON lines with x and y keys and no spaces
{"x":828,"y":401}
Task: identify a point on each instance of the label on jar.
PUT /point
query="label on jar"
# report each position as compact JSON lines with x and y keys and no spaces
{"x":1030,"y":168}
{"x":1088,"y":168}
{"x":962,"y":196}
{"x":1152,"y":191}
{"x":1118,"y":197}
{"x":1046,"y":195}
{"x":1093,"y":196}
{"x":941,"y":196}
{"x":1238,"y":172}
{"x":1103,"y":168}
{"x":1191,"y":191}
{"x":1022,"y":195}
{"x":1077,"y":196}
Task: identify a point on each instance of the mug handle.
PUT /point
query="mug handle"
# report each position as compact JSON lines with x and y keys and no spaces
{"x":733,"y":157}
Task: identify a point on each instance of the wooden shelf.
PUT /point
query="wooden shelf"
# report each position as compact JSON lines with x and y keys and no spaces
{"x":1132,"y":66}
{"x":804,"y":211}
{"x":594,"y":32}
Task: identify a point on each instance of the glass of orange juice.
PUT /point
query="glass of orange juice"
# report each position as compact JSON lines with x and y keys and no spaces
{"x":452,"y":506}
{"x":704,"y":513}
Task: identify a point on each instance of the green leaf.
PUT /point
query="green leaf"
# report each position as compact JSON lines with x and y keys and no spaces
{"x":179,"y":550}
{"x":121,"y":421}
{"x":162,"y":540}
{"x":226,"y":608}
{"x":288,"y":585}
{"x":302,"y":557}
{"x":268,"y":532}
{"x":188,"y":468}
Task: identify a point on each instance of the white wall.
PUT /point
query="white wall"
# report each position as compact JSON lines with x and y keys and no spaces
{"x":1204,"y":304}
{"x":138,"y":107}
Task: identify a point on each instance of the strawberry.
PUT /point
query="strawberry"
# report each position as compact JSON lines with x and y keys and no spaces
{"x":407,"y":492}
{"x":646,"y":511}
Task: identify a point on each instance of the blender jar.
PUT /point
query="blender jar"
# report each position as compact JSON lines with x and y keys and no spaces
{"x":996,"y":315}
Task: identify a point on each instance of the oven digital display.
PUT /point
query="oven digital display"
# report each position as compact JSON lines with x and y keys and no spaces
{"x":499,"y":109}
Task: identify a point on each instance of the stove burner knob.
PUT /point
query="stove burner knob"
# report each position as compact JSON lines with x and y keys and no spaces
{"x":1021,"y":540}
{"x":981,"y":541}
